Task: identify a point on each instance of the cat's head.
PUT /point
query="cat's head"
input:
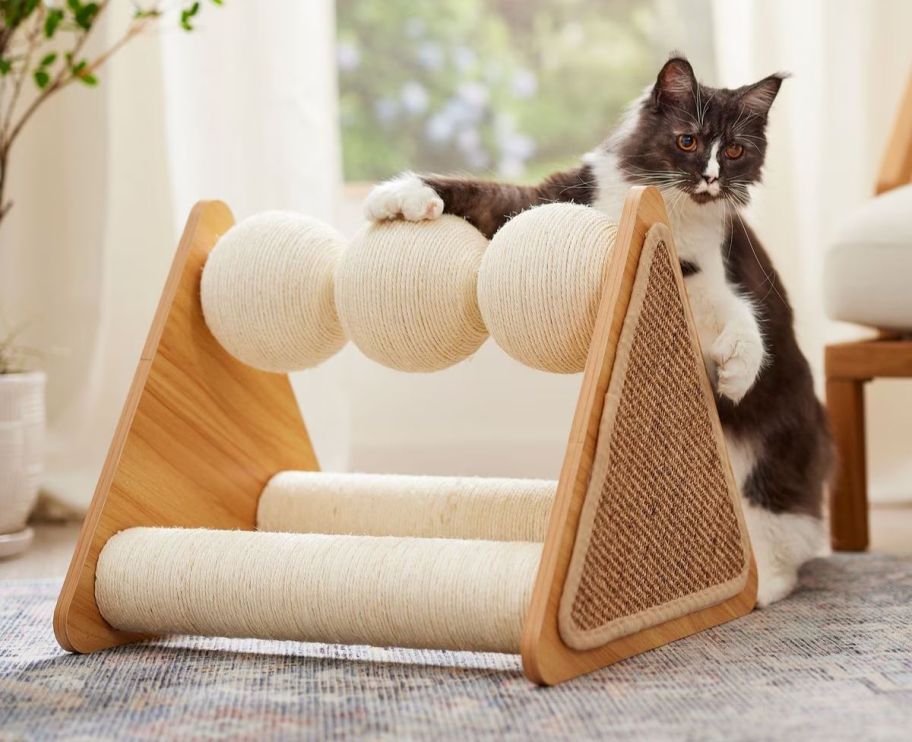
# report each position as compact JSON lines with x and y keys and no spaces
{"x":708,"y":143}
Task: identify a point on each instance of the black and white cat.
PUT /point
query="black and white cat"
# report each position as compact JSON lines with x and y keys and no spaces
{"x":703,"y":148}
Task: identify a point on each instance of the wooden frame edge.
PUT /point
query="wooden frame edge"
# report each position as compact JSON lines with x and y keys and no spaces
{"x":546,"y":659}
{"x":862,"y":360}
{"x":896,"y":165}
{"x":199,"y":436}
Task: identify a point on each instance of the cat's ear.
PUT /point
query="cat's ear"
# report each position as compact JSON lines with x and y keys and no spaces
{"x":675,"y":83}
{"x":758,"y":98}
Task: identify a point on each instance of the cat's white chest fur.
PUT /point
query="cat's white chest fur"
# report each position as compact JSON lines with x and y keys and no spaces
{"x":733,"y":351}
{"x":726,"y":321}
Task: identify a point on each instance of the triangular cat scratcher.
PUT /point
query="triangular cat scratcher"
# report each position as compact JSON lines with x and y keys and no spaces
{"x":645,"y":543}
{"x":199,"y":436}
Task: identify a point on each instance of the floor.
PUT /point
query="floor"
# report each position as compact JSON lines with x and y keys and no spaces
{"x":891,"y":533}
{"x":832,"y":663}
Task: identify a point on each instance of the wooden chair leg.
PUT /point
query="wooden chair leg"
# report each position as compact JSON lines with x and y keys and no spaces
{"x":849,"y":496}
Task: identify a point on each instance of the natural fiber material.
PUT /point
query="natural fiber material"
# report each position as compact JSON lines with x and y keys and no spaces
{"x":437,"y":593}
{"x":267,"y":291}
{"x":399,"y":505}
{"x":406,"y":293}
{"x":541,"y":281}
{"x":660,"y":534}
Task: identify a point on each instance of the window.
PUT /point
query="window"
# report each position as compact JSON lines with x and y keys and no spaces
{"x":508,"y":88}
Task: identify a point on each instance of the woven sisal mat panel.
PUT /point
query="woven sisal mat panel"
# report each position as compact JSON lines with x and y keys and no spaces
{"x":661,"y":533}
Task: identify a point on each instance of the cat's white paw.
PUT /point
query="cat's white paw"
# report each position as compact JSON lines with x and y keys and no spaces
{"x":781,"y":542}
{"x":407,"y":197}
{"x":738,"y":355}
{"x":774,"y":586}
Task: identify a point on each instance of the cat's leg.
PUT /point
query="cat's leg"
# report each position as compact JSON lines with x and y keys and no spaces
{"x":406,"y":196}
{"x":485,"y":204}
{"x":738,"y":353}
{"x":782,"y":478}
{"x":782,"y":542}
{"x":729,"y":332}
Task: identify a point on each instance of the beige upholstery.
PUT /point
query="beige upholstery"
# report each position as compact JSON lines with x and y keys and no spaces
{"x":868,"y":273}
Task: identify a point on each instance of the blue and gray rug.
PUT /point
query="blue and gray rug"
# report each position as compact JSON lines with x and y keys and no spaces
{"x":833,"y":662}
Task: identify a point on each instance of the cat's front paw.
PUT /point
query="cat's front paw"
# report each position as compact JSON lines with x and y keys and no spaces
{"x":771,"y":588}
{"x":738,"y":355}
{"x":407,"y":197}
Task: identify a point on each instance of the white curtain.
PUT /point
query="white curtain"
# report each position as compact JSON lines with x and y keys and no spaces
{"x":850,"y":61}
{"x":243,"y":109}
{"x":251,"y":107}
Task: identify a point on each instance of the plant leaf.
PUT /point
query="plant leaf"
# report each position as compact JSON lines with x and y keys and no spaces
{"x":14,"y":12}
{"x":80,"y":71}
{"x":52,"y":21}
{"x":49,"y":59}
{"x":42,"y":79}
{"x":86,"y":15}
{"x":187,"y":14}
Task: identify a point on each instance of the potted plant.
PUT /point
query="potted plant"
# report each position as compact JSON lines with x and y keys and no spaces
{"x":42,"y":51}
{"x":21,"y":442}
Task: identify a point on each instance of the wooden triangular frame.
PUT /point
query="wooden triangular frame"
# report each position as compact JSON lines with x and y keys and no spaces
{"x":546,"y":658}
{"x":201,"y":434}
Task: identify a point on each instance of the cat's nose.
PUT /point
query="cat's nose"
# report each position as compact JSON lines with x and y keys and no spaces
{"x":710,"y":179}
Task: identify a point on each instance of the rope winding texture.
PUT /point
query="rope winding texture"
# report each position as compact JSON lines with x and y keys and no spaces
{"x":385,"y":591}
{"x":491,"y":509}
{"x":406,"y":296}
{"x":281,"y":292}
{"x":267,"y":291}
{"x":541,"y":281}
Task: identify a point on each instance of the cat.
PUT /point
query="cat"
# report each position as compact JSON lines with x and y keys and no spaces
{"x":704,"y":148}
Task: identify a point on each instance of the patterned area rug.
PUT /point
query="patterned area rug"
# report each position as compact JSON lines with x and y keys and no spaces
{"x":832,"y":662}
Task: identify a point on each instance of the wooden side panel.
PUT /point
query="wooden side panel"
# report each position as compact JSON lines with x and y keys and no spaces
{"x":199,"y":436}
{"x":849,"y":493}
{"x":868,"y":359}
{"x":896,"y":168}
{"x":546,"y":659}
{"x":848,"y":367}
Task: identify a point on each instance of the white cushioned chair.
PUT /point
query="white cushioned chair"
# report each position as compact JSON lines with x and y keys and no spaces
{"x":868,"y":275}
{"x":868,"y":281}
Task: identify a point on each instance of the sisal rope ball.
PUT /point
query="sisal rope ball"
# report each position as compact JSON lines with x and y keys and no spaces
{"x":540,"y":284}
{"x":406,"y":292}
{"x":267,"y":291}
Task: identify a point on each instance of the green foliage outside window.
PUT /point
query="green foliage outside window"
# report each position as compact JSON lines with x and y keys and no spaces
{"x":510,"y":88}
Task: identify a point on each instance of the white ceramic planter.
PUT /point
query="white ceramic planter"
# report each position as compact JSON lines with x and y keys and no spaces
{"x":21,"y":455}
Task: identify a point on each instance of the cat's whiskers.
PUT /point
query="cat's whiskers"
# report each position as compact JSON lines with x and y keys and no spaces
{"x":677,"y":198}
{"x":658,"y":177}
{"x":768,"y":277}
{"x":700,"y":106}
{"x":579,"y":182}
{"x":695,"y":92}
{"x":727,"y":208}
{"x":658,"y":172}
{"x":738,"y":194}
{"x":742,"y":122}
{"x":688,"y":114}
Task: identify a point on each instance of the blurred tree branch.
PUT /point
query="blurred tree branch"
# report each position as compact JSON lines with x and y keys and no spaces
{"x":31,"y":47}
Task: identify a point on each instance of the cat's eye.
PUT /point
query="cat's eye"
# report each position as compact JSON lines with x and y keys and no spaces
{"x":687,"y":142}
{"x":734,"y":151}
